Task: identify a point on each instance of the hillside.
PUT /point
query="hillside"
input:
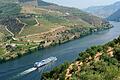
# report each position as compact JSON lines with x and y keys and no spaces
{"x":96,"y":63}
{"x":26,"y":27}
{"x":103,"y":11}
{"x":46,"y":14}
{"x":8,"y":1}
{"x":115,"y":16}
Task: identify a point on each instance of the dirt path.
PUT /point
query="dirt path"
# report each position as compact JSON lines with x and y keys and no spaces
{"x":9,"y":31}
{"x":38,"y":24}
{"x":52,"y":30}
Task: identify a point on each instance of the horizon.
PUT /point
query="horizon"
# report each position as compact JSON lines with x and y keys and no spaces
{"x":82,"y":4}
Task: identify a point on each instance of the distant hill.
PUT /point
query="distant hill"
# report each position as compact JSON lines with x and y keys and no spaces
{"x":103,"y":11}
{"x":115,"y":16}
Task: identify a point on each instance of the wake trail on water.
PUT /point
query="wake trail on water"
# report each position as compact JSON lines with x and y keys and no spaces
{"x":27,"y":71}
{"x":12,"y":70}
{"x":24,"y":73}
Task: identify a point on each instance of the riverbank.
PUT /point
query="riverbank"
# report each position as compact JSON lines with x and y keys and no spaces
{"x":101,"y":62}
{"x":23,"y":46}
{"x":64,"y":53}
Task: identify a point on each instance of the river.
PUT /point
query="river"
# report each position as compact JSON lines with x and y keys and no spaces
{"x":67,"y":52}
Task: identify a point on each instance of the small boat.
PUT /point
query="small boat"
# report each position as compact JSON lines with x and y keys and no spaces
{"x":45,"y":62}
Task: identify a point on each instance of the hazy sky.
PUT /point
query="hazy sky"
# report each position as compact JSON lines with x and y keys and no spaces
{"x":82,"y":3}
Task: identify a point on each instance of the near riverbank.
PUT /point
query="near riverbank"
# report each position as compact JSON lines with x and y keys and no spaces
{"x":98,"y":62}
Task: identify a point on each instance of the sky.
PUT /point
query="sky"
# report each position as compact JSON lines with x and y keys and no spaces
{"x":82,"y":3}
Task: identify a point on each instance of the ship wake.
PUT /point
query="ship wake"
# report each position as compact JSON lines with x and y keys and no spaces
{"x":27,"y":71}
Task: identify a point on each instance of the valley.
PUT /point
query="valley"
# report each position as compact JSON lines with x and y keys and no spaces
{"x":84,"y":42}
{"x":64,"y":53}
{"x":32,"y":27}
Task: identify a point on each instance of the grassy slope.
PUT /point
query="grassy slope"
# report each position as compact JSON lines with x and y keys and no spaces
{"x":54,"y":16}
{"x":48,"y":19}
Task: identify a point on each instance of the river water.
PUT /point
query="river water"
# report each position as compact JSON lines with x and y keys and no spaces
{"x":21,"y":69}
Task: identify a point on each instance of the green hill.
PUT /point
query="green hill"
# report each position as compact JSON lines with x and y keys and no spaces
{"x":96,"y":63}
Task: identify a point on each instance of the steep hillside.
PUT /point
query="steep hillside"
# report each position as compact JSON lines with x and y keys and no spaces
{"x":9,"y":9}
{"x":12,"y":25}
{"x":8,"y":1}
{"x":103,"y":11}
{"x":35,"y":27}
{"x":8,"y":12}
{"x":115,"y":16}
{"x":73,"y":13}
{"x":96,"y":63}
{"x":45,"y":15}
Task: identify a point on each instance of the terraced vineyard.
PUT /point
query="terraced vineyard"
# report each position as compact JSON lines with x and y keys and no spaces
{"x":28,"y":27}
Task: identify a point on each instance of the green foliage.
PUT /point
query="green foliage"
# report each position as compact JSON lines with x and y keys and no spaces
{"x":107,"y":68}
{"x":29,"y":21}
{"x":90,"y":52}
{"x":55,"y":73}
{"x":54,"y":19}
{"x":99,"y":71}
{"x":117,"y":53}
{"x":9,"y":9}
{"x":1,"y":51}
